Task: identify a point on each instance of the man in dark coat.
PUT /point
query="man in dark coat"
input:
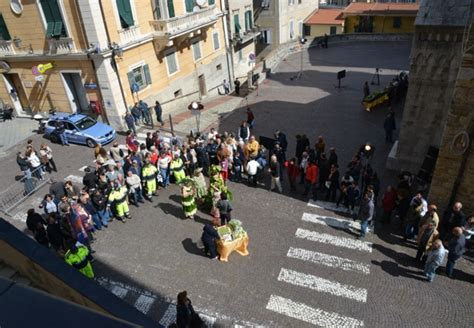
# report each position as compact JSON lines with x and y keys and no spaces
{"x":33,"y":219}
{"x":453,"y":218}
{"x":389,"y":127}
{"x":456,"y":247}
{"x":209,"y":238}
{"x":159,"y":112}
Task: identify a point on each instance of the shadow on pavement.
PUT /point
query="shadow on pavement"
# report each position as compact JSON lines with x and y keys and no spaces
{"x":192,"y":247}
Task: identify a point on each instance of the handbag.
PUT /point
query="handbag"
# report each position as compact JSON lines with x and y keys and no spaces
{"x":44,"y":159}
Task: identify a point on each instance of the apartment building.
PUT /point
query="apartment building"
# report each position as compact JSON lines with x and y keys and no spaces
{"x":123,"y":50}
{"x":43,"y":59}
{"x":243,"y":34}
{"x":281,"y":21}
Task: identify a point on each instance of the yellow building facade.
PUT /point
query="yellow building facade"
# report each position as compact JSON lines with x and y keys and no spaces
{"x":115,"y":52}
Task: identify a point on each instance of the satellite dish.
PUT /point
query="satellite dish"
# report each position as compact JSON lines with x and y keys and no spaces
{"x":16,"y":6}
{"x":201,"y":3}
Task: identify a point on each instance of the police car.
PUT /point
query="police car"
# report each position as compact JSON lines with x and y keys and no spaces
{"x":80,"y":129}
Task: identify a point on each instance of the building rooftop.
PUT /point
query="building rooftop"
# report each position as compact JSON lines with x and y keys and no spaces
{"x":378,"y":8}
{"x":444,"y":13}
{"x":326,"y":17}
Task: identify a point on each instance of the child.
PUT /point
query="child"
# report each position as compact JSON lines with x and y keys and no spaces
{"x":225,"y":208}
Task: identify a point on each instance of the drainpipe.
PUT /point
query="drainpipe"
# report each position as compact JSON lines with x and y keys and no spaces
{"x":114,"y":63}
{"x":228,"y":50}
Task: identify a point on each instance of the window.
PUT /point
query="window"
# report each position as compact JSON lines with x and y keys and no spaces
{"x":292,"y":29}
{"x":248,"y":20}
{"x":125,"y":13}
{"x":236,"y":23}
{"x":219,"y":67}
{"x":215,"y":39}
{"x":4,"y":34}
{"x":333,"y":30}
{"x":170,"y":9}
{"x":196,"y":50}
{"x":172,"y":63}
{"x":140,"y":75}
{"x":54,"y":21}
{"x":397,"y":22}
{"x":189,"y":4}
{"x":211,"y":2}
{"x":157,"y":10}
{"x":307,"y":30}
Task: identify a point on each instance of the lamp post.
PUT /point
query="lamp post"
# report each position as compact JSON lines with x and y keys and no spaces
{"x":302,"y":42}
{"x":368,"y":152}
{"x":196,"y":108}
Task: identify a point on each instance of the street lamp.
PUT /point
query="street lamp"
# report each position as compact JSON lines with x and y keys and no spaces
{"x":302,"y":42}
{"x":196,"y":108}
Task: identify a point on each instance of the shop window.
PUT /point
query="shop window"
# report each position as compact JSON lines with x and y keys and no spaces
{"x":4,"y":34}
{"x":215,"y":39}
{"x":172,"y":63}
{"x":140,"y":75}
{"x":125,"y":13}
{"x":196,"y":50}
{"x":397,"y":22}
{"x":54,"y":21}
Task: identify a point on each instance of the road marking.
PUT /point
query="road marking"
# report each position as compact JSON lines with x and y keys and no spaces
{"x":330,"y":221}
{"x":74,"y":178}
{"x":169,"y":316}
{"x":328,"y":260}
{"x":322,"y":285}
{"x":331,"y":206}
{"x":309,"y":314}
{"x":119,"y":291}
{"x":20,"y":216}
{"x":144,"y":303}
{"x":334,"y":240}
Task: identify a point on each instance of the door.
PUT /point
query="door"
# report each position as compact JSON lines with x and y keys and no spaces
{"x":267,"y":36}
{"x":18,"y":97}
{"x":202,"y":85}
{"x":333,"y":30}
{"x":71,"y":132}
{"x":75,"y":92}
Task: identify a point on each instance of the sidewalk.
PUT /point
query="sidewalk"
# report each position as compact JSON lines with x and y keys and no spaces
{"x":15,"y":131}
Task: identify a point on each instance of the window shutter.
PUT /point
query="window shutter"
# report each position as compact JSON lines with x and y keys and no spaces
{"x":4,"y":34}
{"x":58,"y":27}
{"x":247,"y":27}
{"x":146,"y":70}
{"x":50,"y":29}
{"x":236,"y":23}
{"x":216,"y":41}
{"x":170,"y":9}
{"x":189,"y":6}
{"x":125,"y":13}
{"x":131,"y":79}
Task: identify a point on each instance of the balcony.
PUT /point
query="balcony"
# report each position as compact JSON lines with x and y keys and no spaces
{"x":6,"y":48}
{"x":129,"y":35}
{"x":60,"y":46}
{"x":244,"y":37}
{"x":178,"y":26}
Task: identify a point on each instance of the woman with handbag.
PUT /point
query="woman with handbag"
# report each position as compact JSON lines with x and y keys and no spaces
{"x":46,"y":158}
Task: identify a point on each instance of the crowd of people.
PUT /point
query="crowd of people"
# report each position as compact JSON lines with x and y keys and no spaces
{"x":133,"y":173}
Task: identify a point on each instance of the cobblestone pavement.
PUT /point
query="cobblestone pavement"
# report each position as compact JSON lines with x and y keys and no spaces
{"x":305,"y":267}
{"x":14,"y":131}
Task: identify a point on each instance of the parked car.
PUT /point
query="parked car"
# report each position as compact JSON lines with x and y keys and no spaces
{"x":80,"y":129}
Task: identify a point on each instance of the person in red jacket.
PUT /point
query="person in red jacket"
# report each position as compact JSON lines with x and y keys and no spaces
{"x":388,"y":203}
{"x":311,"y":179}
{"x":293,"y":173}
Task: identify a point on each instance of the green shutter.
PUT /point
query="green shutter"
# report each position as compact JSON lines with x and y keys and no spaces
{"x":54,"y":20}
{"x":4,"y":34}
{"x":189,"y":5}
{"x":236,"y":23}
{"x":211,"y":2}
{"x":170,"y":9}
{"x":250,"y":19}
{"x":125,"y":13}
{"x":157,"y":10}
{"x":131,"y":79}
{"x":146,"y":69}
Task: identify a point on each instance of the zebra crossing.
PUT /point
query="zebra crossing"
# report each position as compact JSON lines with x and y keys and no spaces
{"x":315,"y":258}
{"x":150,"y":305}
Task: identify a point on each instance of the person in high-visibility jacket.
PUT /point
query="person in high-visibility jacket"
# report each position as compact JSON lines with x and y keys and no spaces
{"x":118,"y":197}
{"x":78,"y":257}
{"x":177,"y":167}
{"x":149,"y":179}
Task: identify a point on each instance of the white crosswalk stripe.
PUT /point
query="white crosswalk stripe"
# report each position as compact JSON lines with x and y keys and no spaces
{"x":119,"y":291}
{"x":309,"y":314}
{"x":328,"y":260}
{"x":144,"y":303}
{"x":331,"y":206}
{"x":74,"y":178}
{"x":334,"y":240}
{"x":322,"y":285}
{"x":330,"y":221}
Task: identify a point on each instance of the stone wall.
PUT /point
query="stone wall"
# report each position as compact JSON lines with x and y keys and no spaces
{"x":435,"y":61}
{"x":454,"y":173}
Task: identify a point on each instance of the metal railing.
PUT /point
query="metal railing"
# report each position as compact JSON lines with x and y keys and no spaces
{"x":18,"y":192}
{"x":187,"y":23}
